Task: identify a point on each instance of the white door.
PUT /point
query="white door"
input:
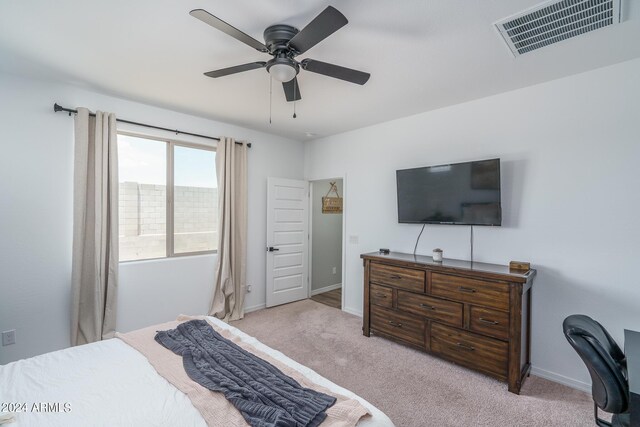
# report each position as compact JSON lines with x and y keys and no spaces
{"x":287,"y":240}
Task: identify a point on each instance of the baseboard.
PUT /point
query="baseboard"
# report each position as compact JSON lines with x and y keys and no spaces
{"x":326,"y":289}
{"x":552,"y":376}
{"x":254,"y":308}
{"x":352,"y":311}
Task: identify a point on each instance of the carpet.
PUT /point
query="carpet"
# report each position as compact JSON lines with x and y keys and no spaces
{"x":413,"y":388}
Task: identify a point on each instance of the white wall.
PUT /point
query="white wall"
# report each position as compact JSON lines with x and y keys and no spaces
{"x":326,"y":242}
{"x":36,"y":176}
{"x":570,"y":153}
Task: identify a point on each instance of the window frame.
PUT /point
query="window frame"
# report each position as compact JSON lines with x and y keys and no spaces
{"x":170,"y":143}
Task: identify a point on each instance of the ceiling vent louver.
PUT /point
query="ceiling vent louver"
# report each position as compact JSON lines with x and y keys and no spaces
{"x":555,"y":21}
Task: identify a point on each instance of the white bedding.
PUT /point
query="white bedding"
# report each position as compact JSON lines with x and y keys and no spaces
{"x":109,"y":383}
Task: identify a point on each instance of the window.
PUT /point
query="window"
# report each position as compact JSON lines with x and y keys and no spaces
{"x":168,"y":199}
{"x":195,"y":200}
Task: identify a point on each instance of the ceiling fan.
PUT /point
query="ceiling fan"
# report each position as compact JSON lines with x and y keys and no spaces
{"x":284,"y":43}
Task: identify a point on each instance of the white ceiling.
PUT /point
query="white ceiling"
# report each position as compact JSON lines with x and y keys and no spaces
{"x":421,"y":54}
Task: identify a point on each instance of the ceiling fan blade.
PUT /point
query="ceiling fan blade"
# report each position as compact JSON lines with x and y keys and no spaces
{"x":326,"y":23}
{"x":236,"y":69}
{"x":292,"y":90}
{"x":219,"y":24}
{"x":335,"y":71}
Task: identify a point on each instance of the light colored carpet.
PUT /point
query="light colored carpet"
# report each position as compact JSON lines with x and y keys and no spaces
{"x":412,"y":388}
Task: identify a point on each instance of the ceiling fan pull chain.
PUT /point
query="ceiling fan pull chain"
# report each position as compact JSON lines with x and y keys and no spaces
{"x":295,"y":86}
{"x":270,"y":96}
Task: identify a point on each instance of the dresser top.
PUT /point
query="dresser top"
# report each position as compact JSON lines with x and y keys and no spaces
{"x":453,"y":265}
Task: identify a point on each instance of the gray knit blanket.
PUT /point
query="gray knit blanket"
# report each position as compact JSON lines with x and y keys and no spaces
{"x":264,"y":395}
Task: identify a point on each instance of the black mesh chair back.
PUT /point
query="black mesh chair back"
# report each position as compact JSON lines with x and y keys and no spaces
{"x":604,"y":360}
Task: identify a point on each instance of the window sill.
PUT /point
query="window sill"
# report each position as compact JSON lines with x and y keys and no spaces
{"x":170,"y":258}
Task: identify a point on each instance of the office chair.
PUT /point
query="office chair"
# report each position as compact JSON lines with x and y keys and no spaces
{"x":606,"y":364}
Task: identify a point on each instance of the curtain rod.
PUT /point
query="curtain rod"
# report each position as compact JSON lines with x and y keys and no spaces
{"x":57,"y":108}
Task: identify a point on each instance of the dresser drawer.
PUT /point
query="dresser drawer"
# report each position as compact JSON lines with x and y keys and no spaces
{"x":381,"y":295}
{"x":471,"y":350}
{"x":405,"y":278}
{"x":490,"y":322}
{"x":433,"y":308}
{"x":402,"y":326}
{"x":479,"y":292}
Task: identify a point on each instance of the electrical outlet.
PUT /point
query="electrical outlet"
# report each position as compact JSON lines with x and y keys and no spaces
{"x":9,"y":337}
{"x":248,"y":288}
{"x":333,"y":270}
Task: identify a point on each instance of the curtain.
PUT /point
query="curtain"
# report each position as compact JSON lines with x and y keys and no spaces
{"x":95,"y":228}
{"x":230,"y":273}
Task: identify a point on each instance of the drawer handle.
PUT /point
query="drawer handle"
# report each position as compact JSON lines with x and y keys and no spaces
{"x":468,"y":290}
{"x":428,"y":307}
{"x":395,"y":277}
{"x":465,"y":347}
{"x":381,"y":295}
{"x":397,"y":325}
{"x":490,"y":322}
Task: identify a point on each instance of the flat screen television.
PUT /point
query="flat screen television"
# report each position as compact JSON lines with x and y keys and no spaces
{"x":461,"y":193}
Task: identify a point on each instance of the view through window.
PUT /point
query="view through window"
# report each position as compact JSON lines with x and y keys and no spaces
{"x":156,"y":174}
{"x":195,"y":200}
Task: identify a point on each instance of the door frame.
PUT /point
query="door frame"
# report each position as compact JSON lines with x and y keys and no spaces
{"x":343,"y":177}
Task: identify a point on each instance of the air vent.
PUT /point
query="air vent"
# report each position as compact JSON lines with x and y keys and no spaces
{"x":555,"y":21}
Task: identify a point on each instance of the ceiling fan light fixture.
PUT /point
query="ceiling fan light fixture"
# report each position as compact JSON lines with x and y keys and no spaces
{"x":283,"y":69}
{"x":282,"y":72}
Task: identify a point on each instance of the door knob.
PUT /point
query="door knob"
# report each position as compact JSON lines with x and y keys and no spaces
{"x":272,"y":249}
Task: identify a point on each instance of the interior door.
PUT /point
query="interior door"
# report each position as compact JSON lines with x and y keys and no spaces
{"x":287,"y":240}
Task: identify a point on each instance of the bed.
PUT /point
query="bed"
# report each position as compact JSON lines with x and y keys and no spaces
{"x":111,"y":383}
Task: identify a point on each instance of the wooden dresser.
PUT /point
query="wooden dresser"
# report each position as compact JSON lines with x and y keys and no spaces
{"x":474,"y":314}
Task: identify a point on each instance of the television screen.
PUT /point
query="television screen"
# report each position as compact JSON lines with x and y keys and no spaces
{"x":461,"y":193}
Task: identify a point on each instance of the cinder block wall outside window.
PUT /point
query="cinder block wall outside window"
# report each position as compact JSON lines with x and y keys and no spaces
{"x":142,"y":211}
